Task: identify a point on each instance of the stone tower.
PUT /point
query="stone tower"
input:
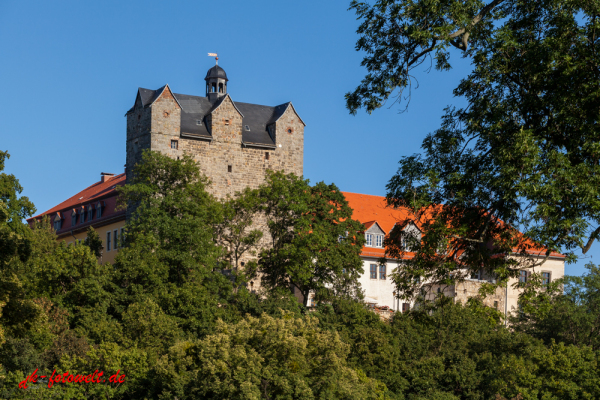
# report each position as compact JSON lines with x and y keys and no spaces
{"x":234,"y":143}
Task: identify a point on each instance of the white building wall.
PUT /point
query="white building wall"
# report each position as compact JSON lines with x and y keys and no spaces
{"x":381,"y":290}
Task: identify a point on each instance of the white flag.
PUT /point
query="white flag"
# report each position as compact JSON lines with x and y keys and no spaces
{"x":212,"y":54}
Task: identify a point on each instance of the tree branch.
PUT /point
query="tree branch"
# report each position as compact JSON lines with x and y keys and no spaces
{"x":463,"y":43}
{"x":584,"y":249}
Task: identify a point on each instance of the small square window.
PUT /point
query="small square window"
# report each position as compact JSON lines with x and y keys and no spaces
{"x":199,"y":122}
{"x":247,"y":127}
{"x":174,"y":144}
{"x":373,"y":271}
{"x":226,"y":122}
{"x":229,"y":168}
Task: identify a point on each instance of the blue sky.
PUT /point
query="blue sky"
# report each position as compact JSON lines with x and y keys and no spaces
{"x":70,"y":71}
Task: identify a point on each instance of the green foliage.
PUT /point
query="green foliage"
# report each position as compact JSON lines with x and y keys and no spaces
{"x":14,"y":233}
{"x":315,"y":242}
{"x":94,"y":242}
{"x":523,"y":154}
{"x":567,"y":311}
{"x":170,"y":256}
{"x":178,"y":328}
{"x":282,"y":357}
{"x":236,"y":233}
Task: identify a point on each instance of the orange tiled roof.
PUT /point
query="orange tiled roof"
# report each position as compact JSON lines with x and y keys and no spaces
{"x":369,"y":209}
{"x":94,"y":192}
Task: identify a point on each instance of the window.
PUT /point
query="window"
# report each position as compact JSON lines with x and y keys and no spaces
{"x":378,"y":240}
{"x":81,"y":216}
{"x":116,"y":236}
{"x":123,"y":237}
{"x":108,"y":241}
{"x":266,"y":155}
{"x":546,"y":278}
{"x":57,"y":222}
{"x":373,"y":271}
{"x":405,"y":307}
{"x":174,"y":144}
{"x":247,"y":127}
{"x":229,"y":168}
{"x":199,"y":122}
{"x":496,"y":305}
{"x":289,"y":130}
{"x":382,"y":273}
{"x":476,"y":275}
{"x":523,"y":276}
{"x":98,"y":210}
{"x":369,"y":238}
{"x":226,"y":122}
{"x":90,"y":213}
{"x":73,"y":218}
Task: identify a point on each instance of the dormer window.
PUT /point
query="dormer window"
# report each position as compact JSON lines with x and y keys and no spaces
{"x":98,"y":210}
{"x":57,"y":222}
{"x":247,"y":127}
{"x":73,"y":217}
{"x":90,"y":213}
{"x":199,"y":122}
{"x":374,"y":235}
{"x":81,"y":215}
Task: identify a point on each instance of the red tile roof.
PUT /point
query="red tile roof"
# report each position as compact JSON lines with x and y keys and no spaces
{"x":97,"y":191}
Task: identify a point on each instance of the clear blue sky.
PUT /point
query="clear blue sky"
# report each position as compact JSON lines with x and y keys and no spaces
{"x":70,"y":71}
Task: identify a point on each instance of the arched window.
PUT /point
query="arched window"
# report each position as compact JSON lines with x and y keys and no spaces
{"x":220,"y":88}
{"x":214,"y":87}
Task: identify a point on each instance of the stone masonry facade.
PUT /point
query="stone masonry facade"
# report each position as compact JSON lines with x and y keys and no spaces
{"x":230,"y":165}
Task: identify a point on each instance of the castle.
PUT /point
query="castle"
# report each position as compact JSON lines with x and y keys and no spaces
{"x":234,"y":145}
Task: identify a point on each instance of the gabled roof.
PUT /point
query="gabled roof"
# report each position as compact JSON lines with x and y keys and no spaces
{"x":195,"y":109}
{"x":97,"y":191}
{"x":373,"y":209}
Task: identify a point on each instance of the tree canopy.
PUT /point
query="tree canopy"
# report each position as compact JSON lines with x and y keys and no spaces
{"x":523,"y":153}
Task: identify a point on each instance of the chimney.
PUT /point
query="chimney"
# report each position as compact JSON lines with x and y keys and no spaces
{"x":105,"y":176}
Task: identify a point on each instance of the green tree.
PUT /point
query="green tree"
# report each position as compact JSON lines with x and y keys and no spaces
{"x":236,"y":232}
{"x":523,"y":154}
{"x":93,"y":241}
{"x":315,"y":243}
{"x":567,"y":310}
{"x":14,"y":233}
{"x":282,"y":357}
{"x":170,"y":255}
